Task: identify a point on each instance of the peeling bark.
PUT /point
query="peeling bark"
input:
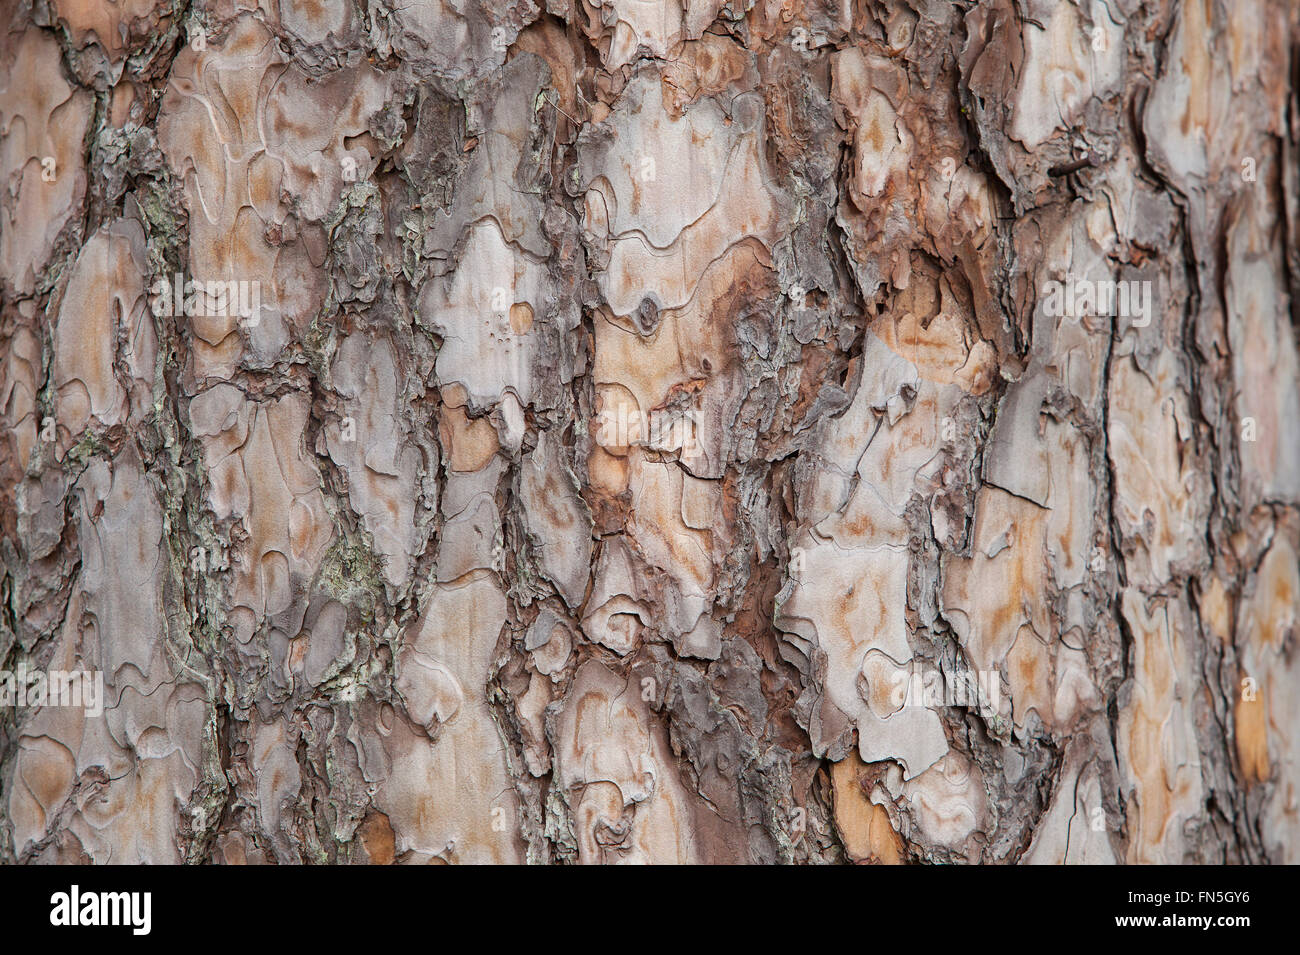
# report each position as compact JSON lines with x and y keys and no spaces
{"x":608,"y":431}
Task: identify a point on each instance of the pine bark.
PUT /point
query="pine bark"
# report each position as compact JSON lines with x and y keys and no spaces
{"x":651,"y":430}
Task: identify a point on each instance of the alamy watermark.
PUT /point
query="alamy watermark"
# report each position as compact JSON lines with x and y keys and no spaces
{"x":77,"y":908}
{"x":197,"y":299}
{"x":1129,"y":298}
{"x":79,"y":688}
{"x":932,"y":686}
{"x":660,"y":430}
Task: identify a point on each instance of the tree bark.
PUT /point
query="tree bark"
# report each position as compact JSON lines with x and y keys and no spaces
{"x":651,"y":431}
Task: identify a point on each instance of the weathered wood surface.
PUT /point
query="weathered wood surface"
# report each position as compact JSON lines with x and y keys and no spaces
{"x":646,"y":400}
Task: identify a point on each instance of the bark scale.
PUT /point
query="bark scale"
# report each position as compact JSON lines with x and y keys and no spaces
{"x":651,"y":430}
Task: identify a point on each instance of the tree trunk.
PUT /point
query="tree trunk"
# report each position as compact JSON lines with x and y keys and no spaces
{"x":650,"y":431}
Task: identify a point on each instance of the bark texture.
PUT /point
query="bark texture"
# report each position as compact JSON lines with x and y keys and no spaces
{"x":658,"y":415}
